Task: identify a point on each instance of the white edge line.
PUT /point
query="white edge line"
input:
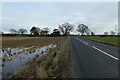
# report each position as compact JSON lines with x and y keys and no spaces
{"x":82,"y":41}
{"x":105,"y":53}
{"x":85,"y":42}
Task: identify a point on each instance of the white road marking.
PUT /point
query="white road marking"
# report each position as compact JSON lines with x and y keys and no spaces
{"x":77,"y":38}
{"x":85,"y":42}
{"x":105,"y":53}
{"x":82,"y":41}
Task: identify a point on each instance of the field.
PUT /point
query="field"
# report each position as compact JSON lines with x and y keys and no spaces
{"x":108,"y":39}
{"x":29,"y":41}
{"x":53,"y":62}
{"x":54,"y":65}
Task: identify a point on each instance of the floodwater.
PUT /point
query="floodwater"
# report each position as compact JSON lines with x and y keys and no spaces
{"x":18,"y":57}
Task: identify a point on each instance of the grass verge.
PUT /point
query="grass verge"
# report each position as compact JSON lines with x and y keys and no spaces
{"x":107,"y":40}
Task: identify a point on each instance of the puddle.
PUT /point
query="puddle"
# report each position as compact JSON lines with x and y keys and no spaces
{"x":16,"y":58}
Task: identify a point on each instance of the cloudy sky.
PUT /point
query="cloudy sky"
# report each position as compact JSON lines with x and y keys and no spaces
{"x":99,"y":16}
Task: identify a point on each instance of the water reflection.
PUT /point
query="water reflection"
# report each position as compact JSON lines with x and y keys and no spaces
{"x":13,"y":59}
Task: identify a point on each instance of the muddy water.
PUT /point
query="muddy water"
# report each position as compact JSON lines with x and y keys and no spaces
{"x":19,"y":58}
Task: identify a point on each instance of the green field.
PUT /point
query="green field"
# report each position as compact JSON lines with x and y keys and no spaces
{"x":108,"y":39}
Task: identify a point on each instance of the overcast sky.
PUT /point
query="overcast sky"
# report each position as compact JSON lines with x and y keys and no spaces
{"x":98,"y":16}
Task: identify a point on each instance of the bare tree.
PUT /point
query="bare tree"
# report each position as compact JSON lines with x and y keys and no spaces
{"x":87,"y":31}
{"x":65,"y":28}
{"x":92,"y":33}
{"x":46,"y":29}
{"x":35,"y":30}
{"x":112,"y":33}
{"x":56,"y":32}
{"x":38,"y":29}
{"x":22,"y":31}
{"x":13,"y":31}
{"x":105,"y":33}
{"x":82,"y":28}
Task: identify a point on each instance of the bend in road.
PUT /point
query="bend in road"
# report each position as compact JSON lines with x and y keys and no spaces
{"x":87,"y":62}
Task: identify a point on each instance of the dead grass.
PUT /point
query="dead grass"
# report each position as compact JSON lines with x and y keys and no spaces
{"x":42,"y":72}
{"x":29,"y":41}
{"x":53,"y":65}
{"x":0,"y":42}
{"x":57,"y":65}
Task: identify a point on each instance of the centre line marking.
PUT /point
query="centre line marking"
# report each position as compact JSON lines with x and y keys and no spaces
{"x":105,"y":53}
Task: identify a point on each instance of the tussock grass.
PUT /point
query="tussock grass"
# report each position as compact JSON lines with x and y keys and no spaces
{"x":53,"y":65}
{"x":42,"y":72}
{"x":58,"y":62}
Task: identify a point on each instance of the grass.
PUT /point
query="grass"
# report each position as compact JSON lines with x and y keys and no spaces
{"x":59,"y":66}
{"x":28,"y":41}
{"x":42,"y":72}
{"x":53,"y":65}
{"x":108,"y":39}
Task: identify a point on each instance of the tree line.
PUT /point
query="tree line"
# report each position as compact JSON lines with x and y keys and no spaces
{"x":63,"y":29}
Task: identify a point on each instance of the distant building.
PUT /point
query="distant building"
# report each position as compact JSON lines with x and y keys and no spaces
{"x":44,"y":33}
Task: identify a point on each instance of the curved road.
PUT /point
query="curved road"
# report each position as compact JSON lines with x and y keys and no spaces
{"x":90,"y":59}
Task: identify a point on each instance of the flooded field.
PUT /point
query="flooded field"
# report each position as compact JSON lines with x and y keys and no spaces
{"x":17,"y":52}
{"x":16,"y":58}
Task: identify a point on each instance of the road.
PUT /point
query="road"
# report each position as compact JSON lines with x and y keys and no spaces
{"x":90,"y":59}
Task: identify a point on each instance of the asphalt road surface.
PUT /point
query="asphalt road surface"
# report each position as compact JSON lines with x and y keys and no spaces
{"x":90,"y":59}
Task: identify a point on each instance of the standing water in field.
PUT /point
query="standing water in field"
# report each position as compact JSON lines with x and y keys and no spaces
{"x":13,"y":59}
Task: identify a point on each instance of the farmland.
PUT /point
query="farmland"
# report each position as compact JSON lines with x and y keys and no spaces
{"x":54,"y":65}
{"x":108,"y":39}
{"x":29,"y":41}
{"x":48,"y":52}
